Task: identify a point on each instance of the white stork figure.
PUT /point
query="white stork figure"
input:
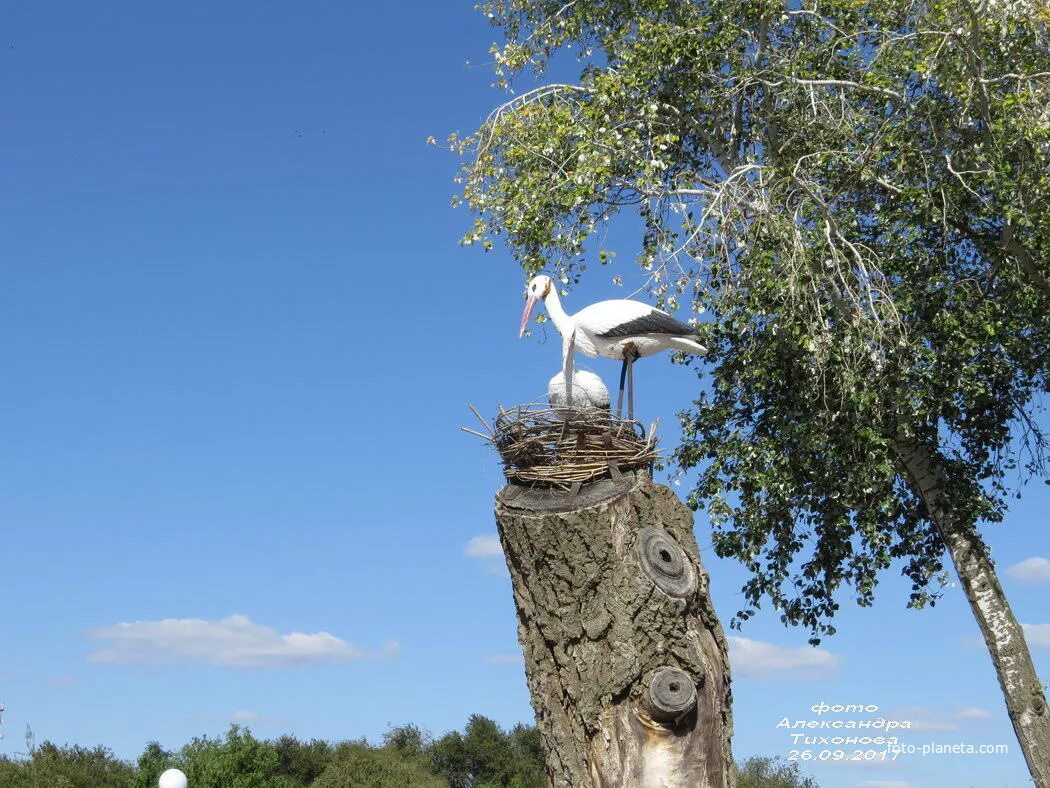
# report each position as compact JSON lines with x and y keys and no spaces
{"x":620,"y":329}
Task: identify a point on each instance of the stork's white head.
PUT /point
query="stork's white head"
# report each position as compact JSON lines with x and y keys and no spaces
{"x":538,"y":289}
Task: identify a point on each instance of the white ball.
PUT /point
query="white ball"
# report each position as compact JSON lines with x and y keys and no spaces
{"x":172,"y":778}
{"x":588,"y":390}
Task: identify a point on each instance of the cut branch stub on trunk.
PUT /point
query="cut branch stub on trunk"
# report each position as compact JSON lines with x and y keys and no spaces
{"x":671,"y":695}
{"x":626,"y":661}
{"x":665,"y":563}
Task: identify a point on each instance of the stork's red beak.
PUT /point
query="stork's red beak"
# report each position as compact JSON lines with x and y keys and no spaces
{"x":530,"y":304}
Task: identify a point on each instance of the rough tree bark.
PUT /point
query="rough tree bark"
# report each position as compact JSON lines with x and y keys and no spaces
{"x":626,"y":661}
{"x":1025,"y":698}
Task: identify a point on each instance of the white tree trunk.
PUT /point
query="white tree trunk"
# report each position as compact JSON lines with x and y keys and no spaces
{"x":1025,"y":698}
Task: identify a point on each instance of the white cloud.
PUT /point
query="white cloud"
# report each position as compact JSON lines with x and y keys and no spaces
{"x":755,"y":659}
{"x":886,"y":784}
{"x":487,"y":550}
{"x":933,"y":725}
{"x":484,"y":546}
{"x":1037,"y":634}
{"x":1031,"y":570}
{"x":972,"y":642}
{"x":504,"y":659}
{"x":232,"y":642}
{"x":923,"y":719}
{"x":878,"y":766}
{"x":248,"y":717}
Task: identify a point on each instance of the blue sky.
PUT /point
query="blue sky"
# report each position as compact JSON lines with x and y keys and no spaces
{"x":239,"y":341}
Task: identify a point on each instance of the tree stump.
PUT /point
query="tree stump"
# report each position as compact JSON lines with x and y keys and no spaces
{"x":626,"y":661}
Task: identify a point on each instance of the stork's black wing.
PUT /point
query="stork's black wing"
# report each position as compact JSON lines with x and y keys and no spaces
{"x":656,"y":322}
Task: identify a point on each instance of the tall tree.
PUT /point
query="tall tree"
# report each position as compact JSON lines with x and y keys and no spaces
{"x":853,"y":198}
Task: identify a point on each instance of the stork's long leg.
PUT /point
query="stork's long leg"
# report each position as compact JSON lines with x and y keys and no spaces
{"x":619,"y":397}
{"x":630,"y":384}
{"x":568,"y":367}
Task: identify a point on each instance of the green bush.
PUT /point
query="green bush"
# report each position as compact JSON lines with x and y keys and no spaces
{"x":482,"y":756}
{"x":486,"y":757}
{"x":238,"y":760}
{"x":771,"y":773}
{"x":302,"y":762}
{"x":51,"y":766}
{"x":153,"y":762}
{"x":359,"y":766}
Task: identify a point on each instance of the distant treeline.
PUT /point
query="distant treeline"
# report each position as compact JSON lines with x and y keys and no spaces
{"x":482,"y":756}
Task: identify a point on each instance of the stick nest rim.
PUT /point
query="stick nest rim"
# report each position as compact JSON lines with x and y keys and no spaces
{"x":559,"y":447}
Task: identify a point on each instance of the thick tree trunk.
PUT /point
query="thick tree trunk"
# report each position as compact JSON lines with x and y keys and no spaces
{"x":626,"y":661}
{"x":1025,"y":699}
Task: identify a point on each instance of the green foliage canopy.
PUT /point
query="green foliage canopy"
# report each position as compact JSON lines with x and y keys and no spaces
{"x":853,"y":199}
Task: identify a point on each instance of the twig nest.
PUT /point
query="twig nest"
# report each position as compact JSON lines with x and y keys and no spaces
{"x":562,"y":447}
{"x":588,"y":391}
